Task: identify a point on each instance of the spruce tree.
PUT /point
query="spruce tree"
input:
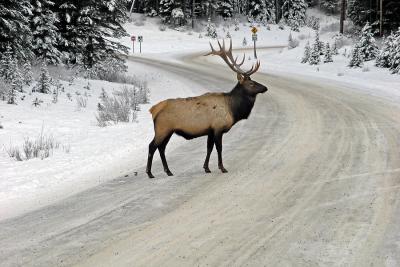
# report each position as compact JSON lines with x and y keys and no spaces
{"x":92,"y":29}
{"x":44,"y":83}
{"x":294,"y":12}
{"x":226,"y":7}
{"x":366,"y":44}
{"x":27,"y":73}
{"x":14,"y":27}
{"x":395,"y":57}
{"x":307,"y":53}
{"x":70,"y":41}
{"x":356,"y":59}
{"x":211,"y":30}
{"x":9,"y":70}
{"x":329,"y":5}
{"x":261,"y":11}
{"x":328,"y":54}
{"x":384,"y":59}
{"x":45,"y":36}
{"x":315,"y":51}
{"x":165,"y":10}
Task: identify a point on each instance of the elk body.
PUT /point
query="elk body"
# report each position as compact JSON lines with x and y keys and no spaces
{"x":211,"y":114}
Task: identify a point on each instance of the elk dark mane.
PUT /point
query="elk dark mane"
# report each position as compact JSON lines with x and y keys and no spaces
{"x":241,"y":103}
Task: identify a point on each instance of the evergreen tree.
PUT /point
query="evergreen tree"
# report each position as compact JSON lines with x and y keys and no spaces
{"x":315,"y":51}
{"x":261,"y":10}
{"x":384,"y":59}
{"x":395,"y":58}
{"x":356,"y":59}
{"x":294,"y":12}
{"x":335,"y":49}
{"x":244,"y":42}
{"x":91,"y":29}
{"x":367,"y":45}
{"x":328,"y":54}
{"x":329,"y":5}
{"x":14,"y":27}
{"x":226,"y":7}
{"x":165,"y":10}
{"x":44,"y":83}
{"x":27,"y":73}
{"x":12,"y":94}
{"x":307,"y":53}
{"x":10,"y":72}
{"x":66,"y":24}
{"x":211,"y":30}
{"x":45,"y":36}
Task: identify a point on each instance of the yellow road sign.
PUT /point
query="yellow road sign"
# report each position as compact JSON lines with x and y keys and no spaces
{"x":254,"y":30}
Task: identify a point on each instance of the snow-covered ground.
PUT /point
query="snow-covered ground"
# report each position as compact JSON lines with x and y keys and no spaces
{"x":89,"y":155}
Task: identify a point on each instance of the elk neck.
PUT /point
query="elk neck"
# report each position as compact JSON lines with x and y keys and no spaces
{"x":241,"y":103}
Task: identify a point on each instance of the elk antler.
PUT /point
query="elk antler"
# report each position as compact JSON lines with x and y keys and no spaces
{"x":230,"y":61}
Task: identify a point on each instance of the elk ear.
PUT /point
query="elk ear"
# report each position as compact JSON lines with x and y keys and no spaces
{"x":240,"y":78}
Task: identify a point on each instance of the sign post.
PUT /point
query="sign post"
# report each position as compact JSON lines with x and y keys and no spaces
{"x":140,"y":40}
{"x":133,"y":39}
{"x":254,"y":37}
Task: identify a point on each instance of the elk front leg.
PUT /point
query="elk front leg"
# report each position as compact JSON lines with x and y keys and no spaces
{"x":210,"y":146}
{"x":218,"y":145}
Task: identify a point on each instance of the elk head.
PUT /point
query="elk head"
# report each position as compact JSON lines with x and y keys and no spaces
{"x":249,"y":86}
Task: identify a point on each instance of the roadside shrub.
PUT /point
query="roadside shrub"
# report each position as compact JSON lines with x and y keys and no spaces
{"x":81,"y":102}
{"x":122,"y":106}
{"x":292,"y":42}
{"x":40,"y":147}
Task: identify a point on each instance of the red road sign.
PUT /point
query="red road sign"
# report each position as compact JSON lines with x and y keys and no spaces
{"x":133,"y":38}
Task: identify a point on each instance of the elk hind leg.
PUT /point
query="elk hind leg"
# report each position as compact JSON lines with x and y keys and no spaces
{"x":210,"y":146}
{"x":161,"y":149}
{"x":152,"y":149}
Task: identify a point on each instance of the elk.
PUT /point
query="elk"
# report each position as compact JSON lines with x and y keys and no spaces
{"x":211,"y":114}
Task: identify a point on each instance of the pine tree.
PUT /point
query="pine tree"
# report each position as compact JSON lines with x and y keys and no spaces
{"x":14,"y":27}
{"x":90,"y":29}
{"x":395,"y":57}
{"x":328,"y":54}
{"x":45,"y":34}
{"x":70,"y":41}
{"x":211,"y":31}
{"x":294,"y":12}
{"x":261,"y":10}
{"x":315,"y":51}
{"x":329,"y":5}
{"x":226,"y":7}
{"x":335,"y":49}
{"x":44,"y":83}
{"x":27,"y":73}
{"x":356,"y":59}
{"x":244,"y":42}
{"x":307,"y":53}
{"x":9,"y":70}
{"x":165,"y":10}
{"x":367,"y":45}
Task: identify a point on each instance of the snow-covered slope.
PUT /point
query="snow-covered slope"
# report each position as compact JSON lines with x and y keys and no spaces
{"x":88,"y":154}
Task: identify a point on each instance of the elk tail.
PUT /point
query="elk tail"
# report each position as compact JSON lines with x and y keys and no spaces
{"x":154,"y":110}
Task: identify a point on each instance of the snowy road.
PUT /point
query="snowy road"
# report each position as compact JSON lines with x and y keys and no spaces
{"x":314,"y":179}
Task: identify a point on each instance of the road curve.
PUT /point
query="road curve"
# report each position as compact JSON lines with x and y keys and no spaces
{"x":314,"y":180}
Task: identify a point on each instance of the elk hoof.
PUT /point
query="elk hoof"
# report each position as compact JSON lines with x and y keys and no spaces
{"x":169,"y":173}
{"x":223,"y":170}
{"x":150,"y":175}
{"x":207,"y":170}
